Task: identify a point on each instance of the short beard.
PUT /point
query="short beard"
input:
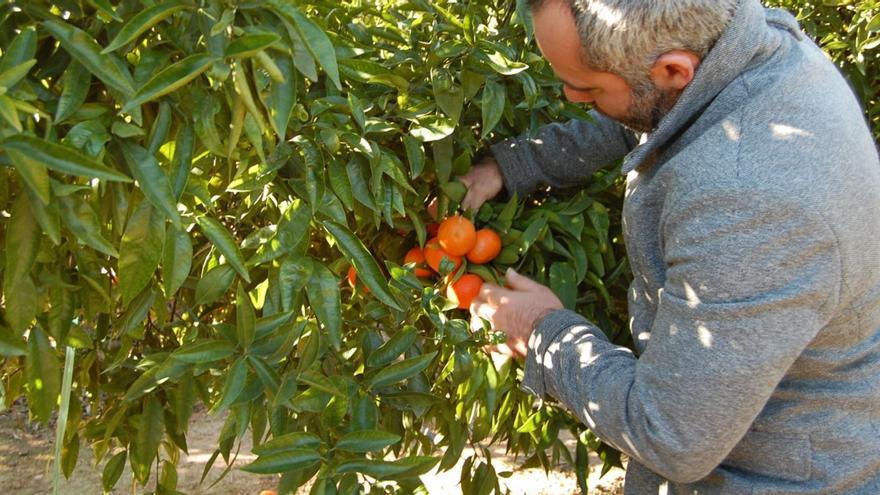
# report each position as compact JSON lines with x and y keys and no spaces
{"x":649,"y":105}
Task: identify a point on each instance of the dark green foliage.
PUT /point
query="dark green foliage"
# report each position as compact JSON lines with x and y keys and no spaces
{"x":185,"y":184}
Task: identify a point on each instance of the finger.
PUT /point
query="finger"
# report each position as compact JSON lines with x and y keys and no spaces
{"x":492,"y":294}
{"x":483,"y":310}
{"x":519,"y":282}
{"x":472,"y":200}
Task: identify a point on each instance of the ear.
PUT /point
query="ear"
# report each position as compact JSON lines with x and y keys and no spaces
{"x":675,"y":69}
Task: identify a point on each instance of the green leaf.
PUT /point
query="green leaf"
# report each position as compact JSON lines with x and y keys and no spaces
{"x":293,"y":277}
{"x":598,"y":215}
{"x":82,"y":220}
{"x":22,"y":48}
{"x":562,"y":282}
{"x":43,"y":373}
{"x":34,"y":174}
{"x":233,"y":386}
{"x":492,"y":103}
{"x":251,"y":43}
{"x":22,"y":245}
{"x":141,"y":22}
{"x":9,"y":113}
{"x":292,"y":229}
{"x":282,"y":97}
{"x":322,"y":289}
{"x":105,"y":8}
{"x":432,"y":128}
{"x":160,"y":128}
{"x":267,"y":375}
{"x":11,"y":345}
{"x":282,"y":462}
{"x":366,"y":441}
{"x":401,"y":370}
{"x":170,"y":79}
{"x":86,"y":51}
{"x":214,"y":284}
{"x":384,"y":470}
{"x":225,"y":243}
{"x":152,"y":180}
{"x":415,"y":155}
{"x":75,"y":85}
{"x":177,"y":260}
{"x":359,"y":189}
{"x":182,"y":161}
{"x":269,"y":324}
{"x":61,"y":158}
{"x":149,"y":433}
{"x":292,"y":441}
{"x":140,"y":250}
{"x":357,"y":111}
{"x":113,"y":470}
{"x":366,"y":266}
{"x":393,"y":348}
{"x":204,"y":351}
{"x":10,"y":77}
{"x":316,"y":40}
{"x":245,"y":318}
{"x":503,"y":65}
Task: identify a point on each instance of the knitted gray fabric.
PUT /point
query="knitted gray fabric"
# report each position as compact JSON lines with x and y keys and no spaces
{"x":752,"y":225}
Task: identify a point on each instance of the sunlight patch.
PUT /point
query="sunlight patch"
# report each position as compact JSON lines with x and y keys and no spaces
{"x":705,"y":336}
{"x":782,"y":131}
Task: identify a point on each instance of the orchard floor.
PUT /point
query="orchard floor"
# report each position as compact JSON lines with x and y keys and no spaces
{"x":26,"y":464}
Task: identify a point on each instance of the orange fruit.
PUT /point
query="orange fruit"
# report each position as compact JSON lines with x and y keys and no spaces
{"x":415,"y":255}
{"x":486,"y":248}
{"x":433,"y":228}
{"x":268,"y":492}
{"x":464,"y":290}
{"x":434,"y":254}
{"x":457,"y":235}
{"x":352,"y":280}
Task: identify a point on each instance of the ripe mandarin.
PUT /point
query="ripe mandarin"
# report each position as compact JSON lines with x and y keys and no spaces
{"x":457,"y":235}
{"x":486,"y":248}
{"x":464,"y":290}
{"x":434,"y":255}
{"x":415,"y":255}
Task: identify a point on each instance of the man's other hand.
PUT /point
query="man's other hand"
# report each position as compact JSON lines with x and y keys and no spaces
{"x":514,"y":310}
{"x":483,"y":182}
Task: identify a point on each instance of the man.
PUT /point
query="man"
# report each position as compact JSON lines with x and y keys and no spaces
{"x":752,"y":229}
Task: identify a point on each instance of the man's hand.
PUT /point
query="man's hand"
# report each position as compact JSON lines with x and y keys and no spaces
{"x":514,"y":310}
{"x":483,"y":182}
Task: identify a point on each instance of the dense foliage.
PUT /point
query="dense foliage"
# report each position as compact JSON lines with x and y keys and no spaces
{"x":849,"y":32}
{"x":186,"y":183}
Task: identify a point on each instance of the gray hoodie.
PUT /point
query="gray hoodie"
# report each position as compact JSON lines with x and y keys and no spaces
{"x":752,"y":225}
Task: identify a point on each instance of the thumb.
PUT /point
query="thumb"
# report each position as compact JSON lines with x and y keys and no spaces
{"x":519,"y":282}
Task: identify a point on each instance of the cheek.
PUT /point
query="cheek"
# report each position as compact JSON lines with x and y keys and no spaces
{"x":615,"y":103}
{"x":577,"y":96}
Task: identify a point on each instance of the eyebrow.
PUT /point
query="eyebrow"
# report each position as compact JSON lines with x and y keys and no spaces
{"x":575,"y":87}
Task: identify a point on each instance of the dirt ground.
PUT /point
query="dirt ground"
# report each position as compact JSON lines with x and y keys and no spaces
{"x":26,"y":467}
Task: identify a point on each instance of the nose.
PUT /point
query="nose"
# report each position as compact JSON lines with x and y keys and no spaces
{"x":575,"y":96}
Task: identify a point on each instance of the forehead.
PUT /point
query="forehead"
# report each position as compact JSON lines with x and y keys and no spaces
{"x":557,"y":36}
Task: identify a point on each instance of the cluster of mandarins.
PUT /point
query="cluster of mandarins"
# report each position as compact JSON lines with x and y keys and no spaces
{"x":453,"y":239}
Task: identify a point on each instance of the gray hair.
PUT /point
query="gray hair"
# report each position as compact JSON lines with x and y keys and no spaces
{"x":626,"y":37}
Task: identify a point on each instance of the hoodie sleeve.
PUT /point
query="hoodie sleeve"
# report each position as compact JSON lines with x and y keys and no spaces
{"x":562,"y":155}
{"x":751,"y":279}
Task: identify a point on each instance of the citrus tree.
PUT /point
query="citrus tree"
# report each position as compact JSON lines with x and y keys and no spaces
{"x":186,"y":185}
{"x":215,"y":202}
